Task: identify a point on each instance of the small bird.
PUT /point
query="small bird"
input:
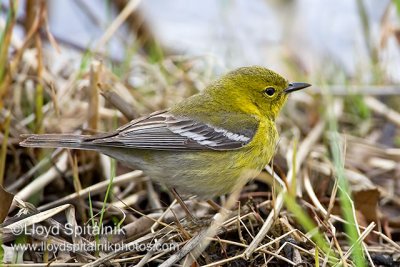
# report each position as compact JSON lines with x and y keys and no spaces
{"x":206,"y":144}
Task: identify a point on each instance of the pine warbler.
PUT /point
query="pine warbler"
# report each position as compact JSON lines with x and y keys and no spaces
{"x":204,"y":145}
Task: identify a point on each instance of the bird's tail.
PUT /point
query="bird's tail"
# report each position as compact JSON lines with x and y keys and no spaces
{"x":56,"y":140}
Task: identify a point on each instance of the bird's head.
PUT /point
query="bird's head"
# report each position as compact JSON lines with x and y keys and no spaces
{"x":255,"y":90}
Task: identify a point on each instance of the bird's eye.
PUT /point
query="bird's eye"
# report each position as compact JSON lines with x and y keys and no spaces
{"x":269,"y":91}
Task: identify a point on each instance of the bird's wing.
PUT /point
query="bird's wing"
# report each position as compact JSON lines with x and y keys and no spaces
{"x":164,"y":131}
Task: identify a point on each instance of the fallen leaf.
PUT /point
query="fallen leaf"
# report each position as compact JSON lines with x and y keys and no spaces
{"x":6,"y":199}
{"x":366,"y":201}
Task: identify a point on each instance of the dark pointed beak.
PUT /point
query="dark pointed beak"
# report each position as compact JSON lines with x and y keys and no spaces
{"x":296,"y":86}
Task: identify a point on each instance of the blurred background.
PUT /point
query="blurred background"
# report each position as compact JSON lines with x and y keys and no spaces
{"x":351,"y":37}
{"x":341,"y":40}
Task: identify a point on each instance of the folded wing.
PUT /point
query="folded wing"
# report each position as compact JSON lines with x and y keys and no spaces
{"x":164,"y":131}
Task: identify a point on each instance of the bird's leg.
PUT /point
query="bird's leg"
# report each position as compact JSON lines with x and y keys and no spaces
{"x":214,"y":205}
{"x":184,"y":206}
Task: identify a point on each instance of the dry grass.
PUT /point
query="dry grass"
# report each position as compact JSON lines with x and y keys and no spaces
{"x":291,"y":217}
